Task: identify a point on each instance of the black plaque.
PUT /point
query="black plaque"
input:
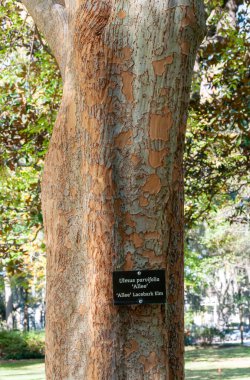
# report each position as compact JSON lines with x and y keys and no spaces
{"x":139,"y":287}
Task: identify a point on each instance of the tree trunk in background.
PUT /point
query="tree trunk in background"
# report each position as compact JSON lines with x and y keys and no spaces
{"x":26,"y":325}
{"x":8,"y":296}
{"x":113,"y":184}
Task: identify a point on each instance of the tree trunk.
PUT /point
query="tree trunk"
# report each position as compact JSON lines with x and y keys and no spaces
{"x":8,"y":296}
{"x":26,"y":324}
{"x":113,"y":186}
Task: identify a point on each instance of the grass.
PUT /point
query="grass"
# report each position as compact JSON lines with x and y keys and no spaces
{"x":22,"y":370}
{"x":231,"y":363}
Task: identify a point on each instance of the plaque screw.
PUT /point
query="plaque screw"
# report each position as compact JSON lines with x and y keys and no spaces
{"x":139,"y":273}
{"x":140,"y":300}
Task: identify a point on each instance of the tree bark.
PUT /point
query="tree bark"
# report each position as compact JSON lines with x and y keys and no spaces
{"x":113,"y":185}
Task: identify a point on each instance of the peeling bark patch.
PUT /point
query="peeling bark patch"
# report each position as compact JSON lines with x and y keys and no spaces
{"x":123,"y":139}
{"x":185,"y":46}
{"x":128,"y":220}
{"x":136,"y":239}
{"x":127,"y":53}
{"x":127,"y":89}
{"x":155,"y":157}
{"x":82,"y":310}
{"x":71,"y":119}
{"x":152,"y":235}
{"x":149,"y":362}
{"x":132,"y":346}
{"x":159,"y":126}
{"x":135,"y":159}
{"x":160,"y":65}
{"x":92,"y":126}
{"x":164,"y":92}
{"x":124,"y":54}
{"x":93,"y":205}
{"x":129,"y":262}
{"x":122,"y":14}
{"x":102,"y":178}
{"x":153,"y":258}
{"x":152,"y":185}
{"x":143,"y":202}
{"x":189,"y":18}
{"x":73,"y":192}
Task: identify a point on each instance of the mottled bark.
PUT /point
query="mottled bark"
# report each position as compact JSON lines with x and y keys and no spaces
{"x":113,"y":187}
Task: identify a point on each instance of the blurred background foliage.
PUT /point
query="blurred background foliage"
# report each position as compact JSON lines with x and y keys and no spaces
{"x":30,"y":95}
{"x":217,"y":158}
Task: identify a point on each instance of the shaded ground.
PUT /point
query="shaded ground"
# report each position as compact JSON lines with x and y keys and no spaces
{"x":201,"y":364}
{"x":218,"y":363}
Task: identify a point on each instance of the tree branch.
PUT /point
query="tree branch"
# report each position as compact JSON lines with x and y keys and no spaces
{"x":51,"y":19}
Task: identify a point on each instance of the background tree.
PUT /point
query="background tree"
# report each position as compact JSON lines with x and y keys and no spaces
{"x":219,"y":256}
